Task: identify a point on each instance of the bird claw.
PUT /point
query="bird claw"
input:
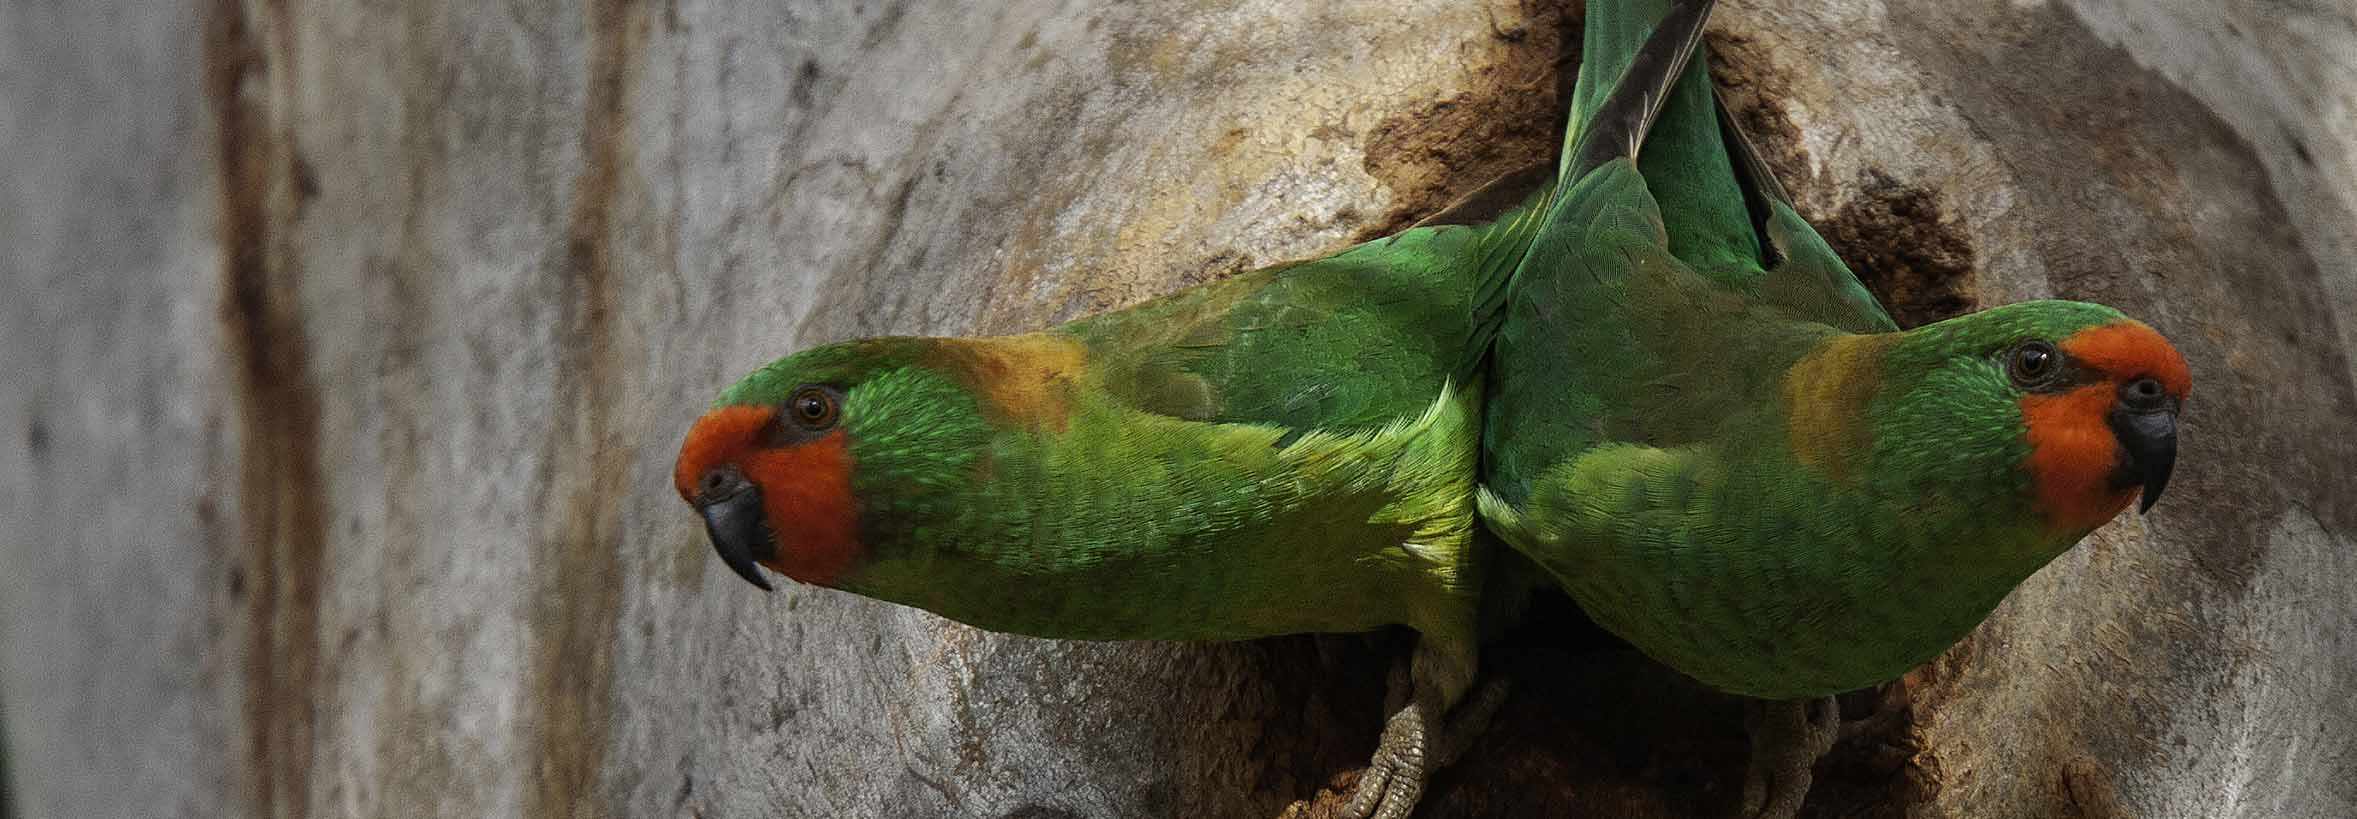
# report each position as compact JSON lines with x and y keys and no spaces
{"x":1412,"y":747}
{"x":1787,"y":739}
{"x":1394,"y":779}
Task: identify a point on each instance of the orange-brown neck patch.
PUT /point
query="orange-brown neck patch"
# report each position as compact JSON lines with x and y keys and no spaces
{"x":805,"y":488}
{"x":2072,"y":456}
{"x":1826,"y":396}
{"x":1023,"y":381}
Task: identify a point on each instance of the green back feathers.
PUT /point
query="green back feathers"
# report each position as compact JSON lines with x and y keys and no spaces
{"x":1559,"y":352}
{"x":1132,"y":525}
{"x":1354,"y":340}
{"x":1552,"y":316}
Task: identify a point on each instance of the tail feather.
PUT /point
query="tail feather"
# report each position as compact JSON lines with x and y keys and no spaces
{"x":1692,"y":177}
{"x":1633,"y":54}
{"x":1641,"y":80}
{"x":1761,"y":192}
{"x":1803,"y":271}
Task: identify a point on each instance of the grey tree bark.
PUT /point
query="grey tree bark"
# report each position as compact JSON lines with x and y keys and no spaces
{"x":348,"y":344}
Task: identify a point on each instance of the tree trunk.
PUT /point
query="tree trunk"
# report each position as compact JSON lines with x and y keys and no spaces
{"x":349,"y":346}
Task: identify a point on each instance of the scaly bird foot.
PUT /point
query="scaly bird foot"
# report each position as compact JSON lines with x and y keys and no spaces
{"x":1787,"y":738}
{"x":1414,"y":745}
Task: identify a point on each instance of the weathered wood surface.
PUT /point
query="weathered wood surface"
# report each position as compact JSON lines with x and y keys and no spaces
{"x":347,"y":346}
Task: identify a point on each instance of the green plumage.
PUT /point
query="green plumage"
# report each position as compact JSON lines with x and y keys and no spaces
{"x":1684,"y":431}
{"x":1283,"y":451}
{"x":1290,"y":450}
{"x":1355,"y":340}
{"x":1651,"y":377}
{"x":1132,"y":525}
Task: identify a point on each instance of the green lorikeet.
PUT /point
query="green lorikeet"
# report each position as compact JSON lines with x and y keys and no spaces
{"x":1289,"y":450}
{"x":1707,"y":431}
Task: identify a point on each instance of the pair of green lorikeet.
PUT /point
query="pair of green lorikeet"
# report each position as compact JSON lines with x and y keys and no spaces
{"x":1649,"y":377}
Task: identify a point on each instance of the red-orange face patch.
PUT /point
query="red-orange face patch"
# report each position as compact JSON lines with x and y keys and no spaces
{"x":717,"y":438}
{"x":805,"y":488}
{"x":2073,"y":452}
{"x":2127,"y":349}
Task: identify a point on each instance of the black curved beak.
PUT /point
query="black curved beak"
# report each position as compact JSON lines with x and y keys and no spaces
{"x":2149,"y":437}
{"x":731,"y":507}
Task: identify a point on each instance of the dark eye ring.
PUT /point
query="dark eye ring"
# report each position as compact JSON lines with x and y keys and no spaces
{"x":2033,"y":364}
{"x":812,"y":408}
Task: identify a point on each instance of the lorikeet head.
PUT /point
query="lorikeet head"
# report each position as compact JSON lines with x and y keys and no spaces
{"x":813,"y":462}
{"x":2082,"y":403}
{"x":770,"y":466}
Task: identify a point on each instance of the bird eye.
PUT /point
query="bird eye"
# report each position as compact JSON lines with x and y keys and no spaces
{"x":2033,"y":364}
{"x":812,"y":408}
